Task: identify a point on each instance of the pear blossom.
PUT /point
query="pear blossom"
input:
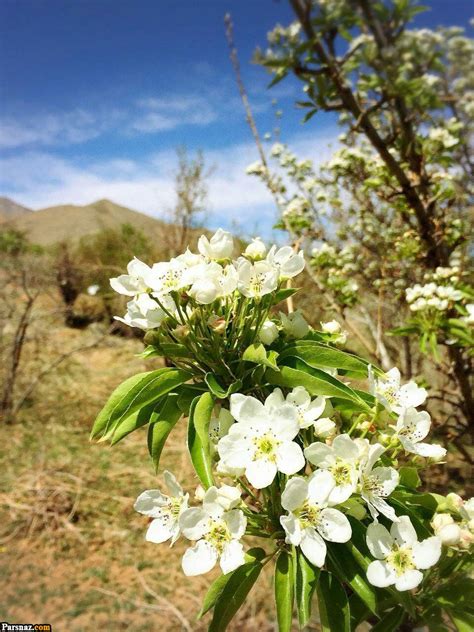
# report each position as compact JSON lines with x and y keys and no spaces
{"x":469,"y":319}
{"x":133,"y":283}
{"x":211,"y":281}
{"x":216,"y":527}
{"x":294,"y":324}
{"x":220,"y":246}
{"x":311,"y":520}
{"x":400,"y":557}
{"x":389,"y":391}
{"x":376,"y":483}
{"x":288,"y":262}
{"x":268,"y":332}
{"x":219,"y":425}
{"x":446,"y":529}
{"x":331,"y":327}
{"x":145,"y":313}
{"x":256,"y":279}
{"x":412,"y":427}
{"x":308,"y":411}
{"x":166,"y":276}
{"x":256,"y":249}
{"x":341,"y":460}
{"x":261,"y":441}
{"x":165,"y":510}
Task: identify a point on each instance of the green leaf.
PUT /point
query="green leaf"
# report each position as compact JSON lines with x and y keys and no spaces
{"x":283,"y":294}
{"x":219,"y":391}
{"x":217,"y":587}
{"x":173,"y":350}
{"x":187,"y":393}
{"x":390,"y":622}
{"x":233,"y":595}
{"x":198,"y":437}
{"x":315,"y":381}
{"x":167,"y":417}
{"x":284,"y":591}
{"x":318,"y":355}
{"x":306,"y":580}
{"x":409,"y":477}
{"x":257,"y":354}
{"x":137,"y":420}
{"x":135,"y":393}
{"x":342,"y":563}
{"x":333,"y":604}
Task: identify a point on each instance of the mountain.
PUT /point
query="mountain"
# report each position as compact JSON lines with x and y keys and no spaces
{"x":69,"y":222}
{"x":10,"y":210}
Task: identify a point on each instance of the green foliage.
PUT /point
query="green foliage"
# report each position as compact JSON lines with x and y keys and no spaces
{"x":198,"y":437}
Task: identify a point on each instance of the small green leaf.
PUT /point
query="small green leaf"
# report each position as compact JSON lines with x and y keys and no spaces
{"x":318,"y":355}
{"x":198,"y":437}
{"x":187,"y":392}
{"x":219,"y":391}
{"x":306,"y":580}
{"x":137,"y":420}
{"x":284,"y":591}
{"x":134,"y":394}
{"x":283,"y":294}
{"x":233,"y":595}
{"x":333,"y":604}
{"x":166,"y":418}
{"x":216,"y":588}
{"x":257,"y":354}
{"x":409,"y":477}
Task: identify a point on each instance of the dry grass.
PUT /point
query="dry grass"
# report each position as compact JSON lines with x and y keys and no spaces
{"x":72,"y":548}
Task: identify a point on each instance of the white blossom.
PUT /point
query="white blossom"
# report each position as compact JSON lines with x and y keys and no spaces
{"x":294,"y":324}
{"x":400,"y":557}
{"x":446,"y":529}
{"x":256,"y":249}
{"x":256,"y":279}
{"x":167,"y":276}
{"x":288,"y":262}
{"x":145,"y":313}
{"x":220,"y":246}
{"x":376,"y":483}
{"x":341,"y":460}
{"x":268,"y":332}
{"x":261,"y":441}
{"x":217,"y":528}
{"x":389,"y":391}
{"x":210,"y":281}
{"x":165,"y":510}
{"x":133,"y":283}
{"x":308,"y":411}
{"x":311,"y":520}
{"x":412,"y":427}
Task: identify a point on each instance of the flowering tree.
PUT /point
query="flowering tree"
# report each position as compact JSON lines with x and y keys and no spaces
{"x":288,"y":447}
{"x":386,"y":217}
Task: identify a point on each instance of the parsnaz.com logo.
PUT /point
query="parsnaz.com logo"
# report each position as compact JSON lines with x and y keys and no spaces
{"x":25,"y":627}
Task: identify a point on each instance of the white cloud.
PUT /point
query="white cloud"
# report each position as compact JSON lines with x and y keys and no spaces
{"x":165,"y":113}
{"x":41,"y":179}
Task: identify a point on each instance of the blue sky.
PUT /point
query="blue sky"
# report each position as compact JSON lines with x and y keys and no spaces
{"x":95,"y":95}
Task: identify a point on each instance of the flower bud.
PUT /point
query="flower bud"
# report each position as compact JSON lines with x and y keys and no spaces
{"x":294,"y":324}
{"x":217,"y":323}
{"x":454,"y":501}
{"x":220,"y":246}
{"x":256,"y":249}
{"x":204,"y":291}
{"x":446,"y":529}
{"x":331,"y":327}
{"x":268,"y":332}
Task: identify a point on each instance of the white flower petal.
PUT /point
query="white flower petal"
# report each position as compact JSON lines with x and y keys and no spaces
{"x":340,"y":493}
{"x":284,"y":422}
{"x":199,"y":559}
{"x":260,"y":473}
{"x":232,"y":556}
{"x":426,"y":553}
{"x":299,"y":396}
{"x":409,"y":580}
{"x":334,"y":526}
{"x":320,"y":485}
{"x":313,"y":547}
{"x":345,"y":448}
{"x":246,"y":409}
{"x":380,"y":574}
{"x":294,"y":494}
{"x":275,"y":399}
{"x":172,"y":484}
{"x":403,"y":532}
{"x":236,"y":522}
{"x":379,"y":540}
{"x":320,"y":454}
{"x":432,"y":451}
{"x":160,"y":530}
{"x":292,"y":529}
{"x":194,"y":523}
{"x":386,"y":478}
{"x":289,"y":458}
{"x":150,"y":502}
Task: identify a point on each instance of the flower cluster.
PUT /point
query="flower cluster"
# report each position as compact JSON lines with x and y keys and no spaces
{"x":432,"y":296}
{"x":285,"y":447}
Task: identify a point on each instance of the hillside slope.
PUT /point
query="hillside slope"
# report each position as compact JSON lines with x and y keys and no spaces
{"x":69,"y":222}
{"x":10,"y":210}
